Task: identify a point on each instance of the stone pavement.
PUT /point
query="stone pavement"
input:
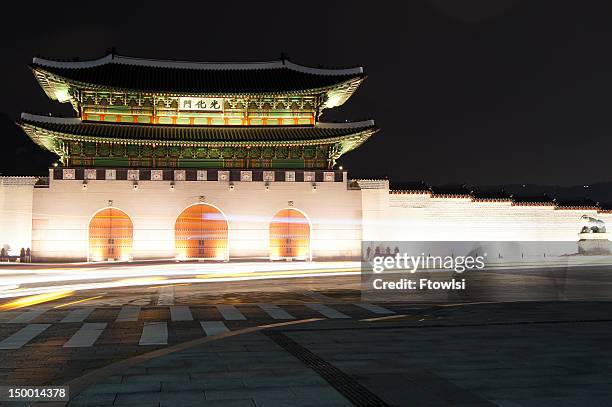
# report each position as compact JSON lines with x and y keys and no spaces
{"x":244,"y":370}
{"x":475,"y":355}
{"x":48,"y":345}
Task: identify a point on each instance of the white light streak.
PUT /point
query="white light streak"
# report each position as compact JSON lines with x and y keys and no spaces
{"x":40,"y":281}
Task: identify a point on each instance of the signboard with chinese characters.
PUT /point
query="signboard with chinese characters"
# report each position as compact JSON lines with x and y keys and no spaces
{"x":201,"y":104}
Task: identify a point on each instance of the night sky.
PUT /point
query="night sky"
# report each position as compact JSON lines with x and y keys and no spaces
{"x":478,"y":92}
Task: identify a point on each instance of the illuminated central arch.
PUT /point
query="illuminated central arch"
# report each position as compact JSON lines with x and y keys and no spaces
{"x":290,"y":235}
{"x":110,"y":235}
{"x":201,"y":232}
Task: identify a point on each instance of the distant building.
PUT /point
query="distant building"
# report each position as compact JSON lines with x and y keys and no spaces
{"x":191,"y":160}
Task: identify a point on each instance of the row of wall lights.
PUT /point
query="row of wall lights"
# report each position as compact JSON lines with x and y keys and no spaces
{"x":231,"y":186}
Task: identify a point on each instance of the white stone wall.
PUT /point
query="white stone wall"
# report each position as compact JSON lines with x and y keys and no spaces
{"x":54,"y":221}
{"x":62,"y":213}
{"x":421,"y":217}
{"x":16,"y":213}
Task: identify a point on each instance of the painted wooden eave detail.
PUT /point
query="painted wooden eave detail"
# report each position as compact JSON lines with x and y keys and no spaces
{"x":329,"y":96}
{"x":47,"y":138}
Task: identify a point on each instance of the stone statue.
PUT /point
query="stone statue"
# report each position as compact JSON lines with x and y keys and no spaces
{"x":592,"y":225}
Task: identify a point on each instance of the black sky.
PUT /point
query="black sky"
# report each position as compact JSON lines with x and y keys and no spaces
{"x":479,"y":92}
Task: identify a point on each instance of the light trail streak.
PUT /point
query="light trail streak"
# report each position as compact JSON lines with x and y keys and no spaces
{"x":208,"y":279}
{"x":166,"y":285}
{"x":138,"y":281}
{"x":53,"y":276}
{"x":35,"y":299}
{"x":276,"y":273}
{"x":80,"y":287}
{"x":78,"y":301}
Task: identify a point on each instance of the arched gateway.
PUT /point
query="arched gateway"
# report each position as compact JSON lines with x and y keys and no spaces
{"x":110,"y":235}
{"x":290,"y":235}
{"x":201,"y":232}
{"x":125,"y":140}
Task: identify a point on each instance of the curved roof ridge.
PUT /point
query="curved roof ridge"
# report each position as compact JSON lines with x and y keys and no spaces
{"x":345,"y":125}
{"x":50,"y":119}
{"x":319,"y":71}
{"x":163,"y":63}
{"x":51,"y":63}
{"x":31,"y":117}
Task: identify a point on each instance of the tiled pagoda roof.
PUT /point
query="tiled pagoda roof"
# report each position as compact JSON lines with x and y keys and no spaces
{"x":148,"y":75}
{"x":75,"y":129}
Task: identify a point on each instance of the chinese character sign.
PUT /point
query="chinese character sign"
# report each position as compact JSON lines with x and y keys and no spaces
{"x":201,"y":104}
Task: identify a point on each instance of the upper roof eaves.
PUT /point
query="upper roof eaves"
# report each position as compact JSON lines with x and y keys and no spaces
{"x":161,"y":63}
{"x":180,"y":78}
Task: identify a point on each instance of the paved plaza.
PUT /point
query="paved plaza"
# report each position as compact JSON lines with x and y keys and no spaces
{"x":525,"y":356}
{"x":313,"y":342}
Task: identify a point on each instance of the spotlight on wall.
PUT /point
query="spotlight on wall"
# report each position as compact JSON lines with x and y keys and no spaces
{"x":135,"y":185}
{"x":231,"y":186}
{"x":340,"y":168}
{"x":267,"y":186}
{"x":172,"y":187}
{"x":55,"y":164}
{"x":314,"y":186}
{"x":84,"y":184}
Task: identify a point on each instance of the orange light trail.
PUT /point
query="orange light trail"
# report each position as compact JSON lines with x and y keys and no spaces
{"x":45,"y":281}
{"x":77,"y":302}
{"x":34,"y":299}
